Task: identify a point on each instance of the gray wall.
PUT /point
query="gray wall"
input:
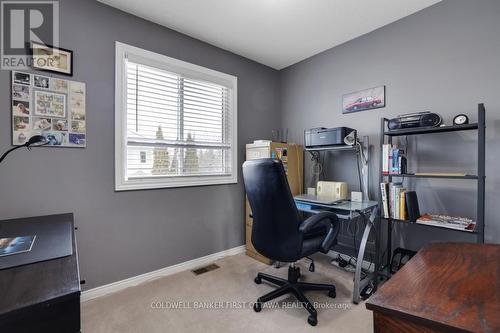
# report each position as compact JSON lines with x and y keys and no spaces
{"x":444,"y":59}
{"x":130,"y":233}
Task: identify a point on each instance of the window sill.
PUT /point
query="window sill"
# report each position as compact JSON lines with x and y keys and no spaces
{"x":149,"y":184}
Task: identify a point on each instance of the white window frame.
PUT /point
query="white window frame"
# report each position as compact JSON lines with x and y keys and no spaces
{"x":124,"y":51}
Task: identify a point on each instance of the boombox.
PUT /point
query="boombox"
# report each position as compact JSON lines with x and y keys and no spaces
{"x":421,"y":119}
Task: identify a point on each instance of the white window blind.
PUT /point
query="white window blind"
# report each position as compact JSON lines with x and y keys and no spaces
{"x":181,"y":116}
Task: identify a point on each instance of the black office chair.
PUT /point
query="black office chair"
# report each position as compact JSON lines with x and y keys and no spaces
{"x":279,"y":233}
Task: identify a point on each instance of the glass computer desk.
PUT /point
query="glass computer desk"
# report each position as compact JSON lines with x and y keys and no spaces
{"x":347,"y":210}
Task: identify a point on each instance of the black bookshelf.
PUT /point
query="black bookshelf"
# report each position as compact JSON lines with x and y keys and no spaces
{"x":386,"y":136}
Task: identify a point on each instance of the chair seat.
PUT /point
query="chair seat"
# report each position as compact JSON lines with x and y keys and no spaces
{"x":311,"y":245}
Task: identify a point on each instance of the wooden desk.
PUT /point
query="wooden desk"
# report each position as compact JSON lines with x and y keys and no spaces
{"x":42,"y":296}
{"x":446,"y":287}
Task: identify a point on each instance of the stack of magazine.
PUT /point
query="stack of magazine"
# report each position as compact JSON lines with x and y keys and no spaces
{"x":450,"y":222}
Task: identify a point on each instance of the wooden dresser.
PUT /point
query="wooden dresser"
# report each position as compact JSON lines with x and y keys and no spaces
{"x":445,"y":287}
{"x":292,"y":156}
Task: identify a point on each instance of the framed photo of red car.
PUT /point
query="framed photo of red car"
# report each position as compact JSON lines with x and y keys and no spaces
{"x":368,"y":99}
{"x":52,"y":59}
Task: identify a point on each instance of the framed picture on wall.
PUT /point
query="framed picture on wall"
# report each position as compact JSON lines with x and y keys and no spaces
{"x":368,"y":99}
{"x":52,"y":59}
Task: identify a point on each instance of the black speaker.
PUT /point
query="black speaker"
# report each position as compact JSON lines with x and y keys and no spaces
{"x":412,"y":206}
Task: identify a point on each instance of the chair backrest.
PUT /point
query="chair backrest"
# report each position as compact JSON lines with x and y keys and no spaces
{"x":276,"y":220}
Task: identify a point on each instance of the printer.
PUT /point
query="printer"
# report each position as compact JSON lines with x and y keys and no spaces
{"x":321,"y":136}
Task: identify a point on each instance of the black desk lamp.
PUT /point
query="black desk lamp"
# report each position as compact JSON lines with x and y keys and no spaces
{"x":34,"y":141}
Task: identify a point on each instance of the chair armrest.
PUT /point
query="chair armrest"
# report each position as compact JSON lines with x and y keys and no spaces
{"x":326,"y":219}
{"x":321,"y":219}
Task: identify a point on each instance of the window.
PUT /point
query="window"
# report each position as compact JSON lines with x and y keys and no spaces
{"x":175,"y":122}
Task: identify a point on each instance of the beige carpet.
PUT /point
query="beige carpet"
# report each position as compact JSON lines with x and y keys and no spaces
{"x":228,"y":290}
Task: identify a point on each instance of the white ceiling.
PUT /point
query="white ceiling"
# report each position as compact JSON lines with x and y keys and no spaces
{"x":277,"y":33}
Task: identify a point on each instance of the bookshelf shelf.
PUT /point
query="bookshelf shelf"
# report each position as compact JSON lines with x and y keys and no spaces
{"x":410,"y":175}
{"x":441,"y":129}
{"x":386,"y":137}
{"x":428,"y":225}
{"x":343,"y":147}
{"x":334,"y":148}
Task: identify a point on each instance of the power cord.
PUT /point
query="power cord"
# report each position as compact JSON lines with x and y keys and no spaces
{"x":317,"y":168}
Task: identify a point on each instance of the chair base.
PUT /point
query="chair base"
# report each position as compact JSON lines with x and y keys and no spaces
{"x":293,"y":286}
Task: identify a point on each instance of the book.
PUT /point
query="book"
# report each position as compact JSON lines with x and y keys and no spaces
{"x":397,"y":203}
{"x":384,"y":189}
{"x":394,"y":189}
{"x":391,"y":199}
{"x":393,"y":203}
{"x":402,"y":206}
{"x":385,"y":158}
{"x":15,"y":245}
{"x":450,"y":222}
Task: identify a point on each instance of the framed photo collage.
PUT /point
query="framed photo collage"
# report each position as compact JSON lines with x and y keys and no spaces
{"x":48,"y":106}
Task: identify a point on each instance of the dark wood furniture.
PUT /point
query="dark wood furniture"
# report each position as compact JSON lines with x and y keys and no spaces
{"x":42,"y":296}
{"x":445,"y":287}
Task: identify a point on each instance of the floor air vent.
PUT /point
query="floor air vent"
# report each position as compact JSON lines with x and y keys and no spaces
{"x":205,"y":269}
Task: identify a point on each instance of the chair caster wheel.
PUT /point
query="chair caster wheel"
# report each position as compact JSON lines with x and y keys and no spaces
{"x":258,"y":280}
{"x":257,"y":307}
{"x":312,"y":320}
{"x":332,"y":294}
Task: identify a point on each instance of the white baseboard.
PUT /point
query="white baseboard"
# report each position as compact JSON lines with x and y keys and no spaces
{"x":136,"y":280}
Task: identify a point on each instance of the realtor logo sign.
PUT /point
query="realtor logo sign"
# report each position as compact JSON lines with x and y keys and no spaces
{"x":24,"y":22}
